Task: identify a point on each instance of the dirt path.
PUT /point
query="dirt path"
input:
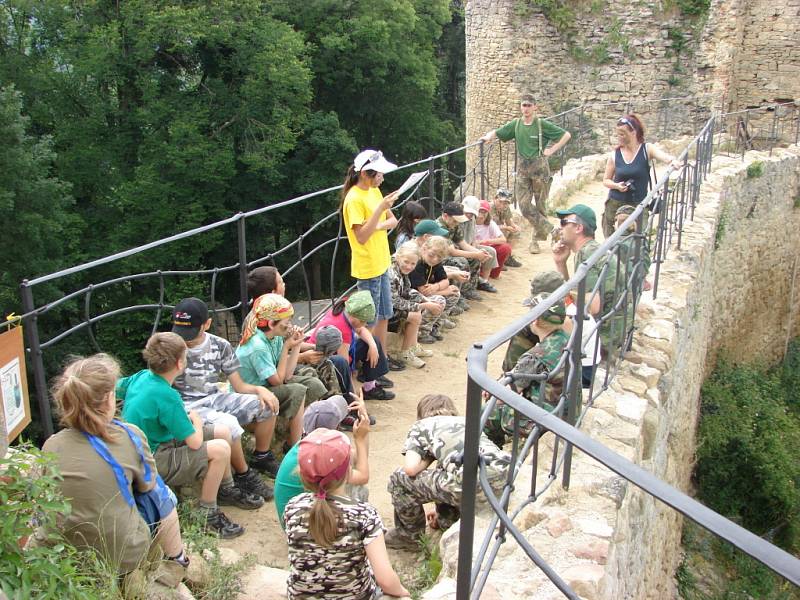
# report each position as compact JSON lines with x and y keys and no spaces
{"x":445,"y":372}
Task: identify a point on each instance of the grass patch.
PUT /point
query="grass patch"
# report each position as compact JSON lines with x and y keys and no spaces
{"x":428,"y":568}
{"x":755,"y":169}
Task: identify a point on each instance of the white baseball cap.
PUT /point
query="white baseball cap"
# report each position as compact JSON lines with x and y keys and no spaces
{"x":471,"y":205}
{"x":372,"y":160}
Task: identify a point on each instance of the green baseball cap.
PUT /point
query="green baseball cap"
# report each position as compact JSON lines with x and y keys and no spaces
{"x":583,"y":211}
{"x":430,"y":226}
{"x":361,"y":306}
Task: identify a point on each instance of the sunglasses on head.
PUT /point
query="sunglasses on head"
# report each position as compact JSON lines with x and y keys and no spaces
{"x":626,"y":121}
{"x":565,"y":222}
{"x":377,"y":155}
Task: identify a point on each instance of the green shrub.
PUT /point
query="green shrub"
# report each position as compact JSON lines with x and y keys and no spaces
{"x":54,"y":568}
{"x":755,"y":169}
{"x":747,"y":468}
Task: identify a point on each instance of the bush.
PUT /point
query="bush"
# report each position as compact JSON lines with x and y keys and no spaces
{"x":54,"y":568}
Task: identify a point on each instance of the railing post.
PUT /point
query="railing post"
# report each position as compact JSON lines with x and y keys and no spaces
{"x":240,"y":234}
{"x":31,"y":329}
{"x":482,"y":159}
{"x":469,"y":489}
{"x":574,"y":377}
{"x":432,"y":186}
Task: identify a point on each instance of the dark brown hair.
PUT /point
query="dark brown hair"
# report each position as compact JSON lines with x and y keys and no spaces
{"x":634,"y":123}
{"x":261,"y":280}
{"x":81,"y":393}
{"x":411,"y":211}
{"x":350,"y":179}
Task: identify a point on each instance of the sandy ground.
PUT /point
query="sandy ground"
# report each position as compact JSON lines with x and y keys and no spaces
{"x":445,"y":372}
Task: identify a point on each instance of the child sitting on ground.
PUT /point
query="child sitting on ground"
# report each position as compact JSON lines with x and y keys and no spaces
{"x":329,"y":414}
{"x":438,"y":435}
{"x":108,"y":474}
{"x":430,"y":279}
{"x":185,"y":451}
{"x":542,"y":358}
{"x":247,"y":406}
{"x":414,"y":315}
{"x":268,"y":354}
{"x":336,"y":545}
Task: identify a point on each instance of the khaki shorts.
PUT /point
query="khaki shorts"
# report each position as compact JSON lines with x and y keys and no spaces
{"x":179,"y":465}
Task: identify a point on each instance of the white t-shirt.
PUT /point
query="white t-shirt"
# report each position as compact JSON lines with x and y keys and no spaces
{"x":488,"y":231}
{"x":588,"y":339}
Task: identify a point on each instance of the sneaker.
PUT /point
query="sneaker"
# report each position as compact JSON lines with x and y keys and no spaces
{"x":348,"y":422}
{"x":485,"y":286}
{"x":218,"y":522}
{"x":395,"y":365}
{"x":420,"y":351}
{"x":533,"y":248}
{"x":397,"y":357}
{"x":378,"y":393}
{"x":512,"y":262}
{"x":413,"y":360}
{"x":399,"y":540}
{"x":251,"y":483}
{"x":267,"y":464}
{"x":381,"y":381}
{"x":234,"y":496}
{"x":446,"y":323}
{"x":426,"y":338}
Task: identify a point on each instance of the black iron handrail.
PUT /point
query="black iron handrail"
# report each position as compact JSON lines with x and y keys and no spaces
{"x":676,"y":192}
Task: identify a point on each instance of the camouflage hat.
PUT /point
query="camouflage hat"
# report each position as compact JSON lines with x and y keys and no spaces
{"x":503,"y":194}
{"x":326,"y":413}
{"x":555,"y":314}
{"x":361,"y":306}
{"x":625,"y":209}
{"x":546,"y":282}
{"x":328,"y":339}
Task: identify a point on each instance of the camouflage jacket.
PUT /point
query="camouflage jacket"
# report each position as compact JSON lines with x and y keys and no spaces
{"x":502,"y":217}
{"x":542,"y":358}
{"x":518,"y":345}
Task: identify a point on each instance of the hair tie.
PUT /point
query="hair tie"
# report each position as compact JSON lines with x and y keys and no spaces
{"x":321,"y":494}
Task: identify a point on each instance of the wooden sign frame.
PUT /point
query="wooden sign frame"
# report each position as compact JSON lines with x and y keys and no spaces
{"x":14,"y":400}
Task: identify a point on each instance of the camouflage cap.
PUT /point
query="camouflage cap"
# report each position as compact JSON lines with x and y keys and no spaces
{"x":503,"y":193}
{"x":327,"y":340}
{"x":326,"y":413}
{"x":555,"y":314}
{"x":625,"y":209}
{"x":361,"y":306}
{"x":546,"y":282}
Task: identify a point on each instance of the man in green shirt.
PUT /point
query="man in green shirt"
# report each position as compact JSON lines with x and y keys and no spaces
{"x":533,"y":136}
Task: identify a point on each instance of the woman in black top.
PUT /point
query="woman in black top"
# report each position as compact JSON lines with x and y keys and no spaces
{"x":627,"y":173}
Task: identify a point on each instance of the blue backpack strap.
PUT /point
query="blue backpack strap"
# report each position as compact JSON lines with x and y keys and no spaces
{"x":119,"y":473}
{"x":137,"y":443}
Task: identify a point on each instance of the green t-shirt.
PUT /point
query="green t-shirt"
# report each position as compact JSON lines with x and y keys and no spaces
{"x":259,"y":358}
{"x":527,"y":136}
{"x":150,"y":403}
{"x":287,"y":482}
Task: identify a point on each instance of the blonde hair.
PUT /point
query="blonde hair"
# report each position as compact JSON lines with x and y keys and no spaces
{"x":324,"y":518}
{"x":437,"y":245}
{"x":81,"y":393}
{"x":434,"y":405}
{"x":407,"y":250}
{"x":163,"y":351}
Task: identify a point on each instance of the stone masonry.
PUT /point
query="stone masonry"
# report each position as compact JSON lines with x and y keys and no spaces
{"x":732,"y":289}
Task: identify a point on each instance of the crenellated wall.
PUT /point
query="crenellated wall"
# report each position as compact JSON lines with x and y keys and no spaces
{"x":733,"y":288}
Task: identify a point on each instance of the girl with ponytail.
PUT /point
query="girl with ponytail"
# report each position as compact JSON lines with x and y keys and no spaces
{"x":336,"y":545}
{"x":119,"y":503}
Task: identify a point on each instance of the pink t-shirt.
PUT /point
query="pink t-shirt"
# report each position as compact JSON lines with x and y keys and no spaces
{"x":339,"y":321}
{"x":487,"y":232}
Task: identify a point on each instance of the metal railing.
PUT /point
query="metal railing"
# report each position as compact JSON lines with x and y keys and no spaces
{"x":619,"y":262}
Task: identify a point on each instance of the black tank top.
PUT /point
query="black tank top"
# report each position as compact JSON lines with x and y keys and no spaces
{"x":638,"y":170}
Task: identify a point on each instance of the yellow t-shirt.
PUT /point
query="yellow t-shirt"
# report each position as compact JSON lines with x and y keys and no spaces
{"x":373,"y":258}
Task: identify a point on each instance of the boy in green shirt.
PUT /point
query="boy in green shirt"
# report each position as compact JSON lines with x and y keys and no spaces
{"x":183,"y":449}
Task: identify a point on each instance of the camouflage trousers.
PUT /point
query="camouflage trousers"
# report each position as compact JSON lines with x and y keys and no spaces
{"x":531,"y":189}
{"x":500,"y":424}
{"x":410,"y":493}
{"x":429,"y":320}
{"x":473,"y":267}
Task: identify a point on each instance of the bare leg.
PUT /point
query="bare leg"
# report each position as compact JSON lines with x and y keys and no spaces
{"x":296,"y":425}
{"x":379,"y":331}
{"x":263,"y":432}
{"x":219,"y":465}
{"x":411,"y":330}
{"x":168,"y":535}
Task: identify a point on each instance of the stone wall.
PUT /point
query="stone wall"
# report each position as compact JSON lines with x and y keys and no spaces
{"x":727,"y":290}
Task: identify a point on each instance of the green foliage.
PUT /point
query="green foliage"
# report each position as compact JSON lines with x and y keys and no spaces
{"x":746,"y":457}
{"x":692,"y":8}
{"x":755,"y":169}
{"x":678,"y":40}
{"x":30,"y":497}
{"x":430,"y":565}
{"x":722,"y":224}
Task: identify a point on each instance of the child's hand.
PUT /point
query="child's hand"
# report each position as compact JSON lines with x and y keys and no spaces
{"x":268,"y":400}
{"x":432,"y":518}
{"x":311,"y":357}
{"x":358,"y":404}
{"x":361,"y":427}
{"x":372,"y":355}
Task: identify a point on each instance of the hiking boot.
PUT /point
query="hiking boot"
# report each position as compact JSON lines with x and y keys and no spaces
{"x":251,"y":483}
{"x":485,"y":286}
{"x":381,"y":381}
{"x":397,"y":357}
{"x":436,"y":333}
{"x":378,"y":393}
{"x":420,"y":351}
{"x":395,"y":365}
{"x":512,"y":262}
{"x":471,"y":295}
{"x":412,"y":359}
{"x":266,"y":463}
{"x":234,"y":496}
{"x":446,"y":323}
{"x":398,"y":540}
{"x":219,"y":523}
{"x":533,"y":248}
{"x":426,"y":338}
{"x":456,"y":311}
{"x":462,"y":304}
